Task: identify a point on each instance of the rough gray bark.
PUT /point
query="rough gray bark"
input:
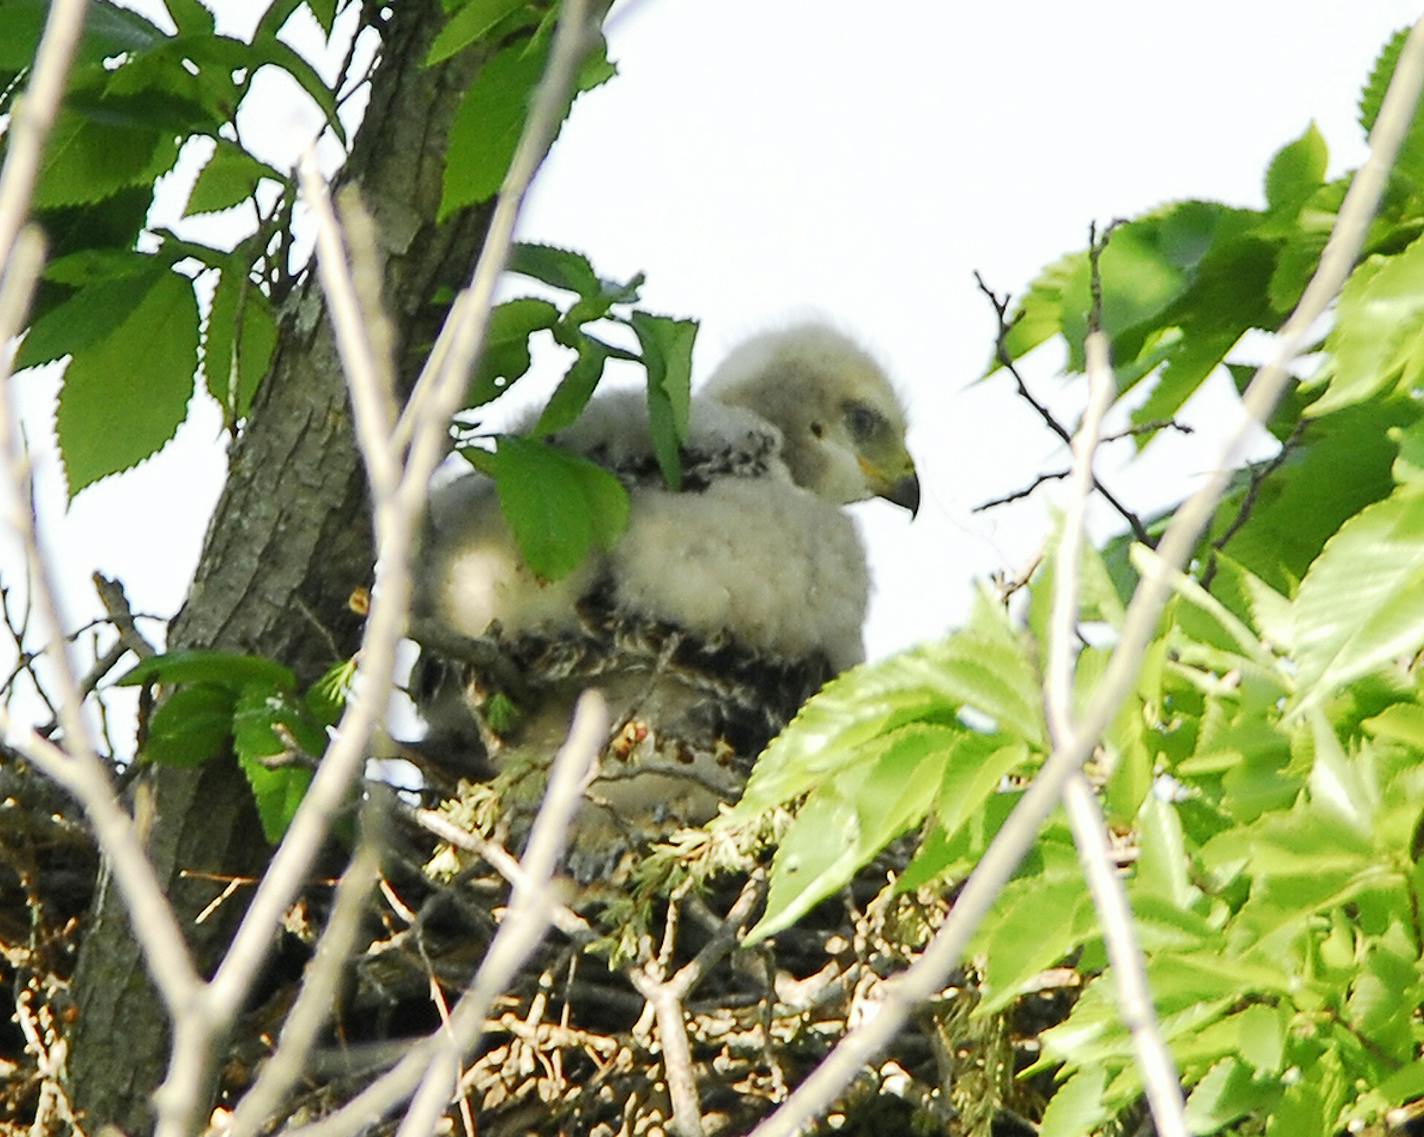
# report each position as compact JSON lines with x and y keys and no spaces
{"x":289,"y":541}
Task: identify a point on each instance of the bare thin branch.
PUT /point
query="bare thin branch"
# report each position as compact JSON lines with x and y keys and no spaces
{"x":313,"y":1004}
{"x":923,"y":978}
{"x":1129,"y":968}
{"x":33,"y":117}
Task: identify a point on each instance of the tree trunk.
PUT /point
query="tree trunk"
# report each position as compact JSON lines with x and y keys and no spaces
{"x":289,"y":541}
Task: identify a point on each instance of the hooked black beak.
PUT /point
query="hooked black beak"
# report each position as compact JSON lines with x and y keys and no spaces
{"x":904,"y":492}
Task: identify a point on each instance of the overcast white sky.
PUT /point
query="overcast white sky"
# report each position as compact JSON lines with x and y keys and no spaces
{"x":768,"y":159}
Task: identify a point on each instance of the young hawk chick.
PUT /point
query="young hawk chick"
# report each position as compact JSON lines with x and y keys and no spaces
{"x":719,"y":612}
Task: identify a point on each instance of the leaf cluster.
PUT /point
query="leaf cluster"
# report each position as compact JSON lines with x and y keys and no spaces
{"x":561,"y":506}
{"x":1267,"y":768}
{"x":140,"y":314}
{"x":215,"y":701}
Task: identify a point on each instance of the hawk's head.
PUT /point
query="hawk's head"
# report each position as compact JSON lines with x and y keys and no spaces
{"x":842,"y":423}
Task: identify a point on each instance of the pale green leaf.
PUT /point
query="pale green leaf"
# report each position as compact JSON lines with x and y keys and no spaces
{"x":1077,"y":1108}
{"x":1163,"y":868}
{"x":851,"y":817}
{"x":1344,"y":785}
{"x":1361,"y":604}
{"x":1378,"y":322}
{"x":1263,"y":1032}
{"x":1036,"y":923}
{"x":1225,"y":1094}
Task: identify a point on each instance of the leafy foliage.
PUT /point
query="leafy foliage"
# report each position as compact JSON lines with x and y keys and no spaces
{"x":217,"y":700}
{"x":1269,"y":763}
{"x":558,"y":506}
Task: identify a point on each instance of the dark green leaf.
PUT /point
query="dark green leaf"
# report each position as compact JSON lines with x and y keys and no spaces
{"x":91,"y":157}
{"x":215,"y":667}
{"x":239,"y":339}
{"x":487,"y":126}
{"x":667,"y":354}
{"x":108,"y":31}
{"x":229,"y":178}
{"x":559,"y":506}
{"x":124,"y":396}
{"x":265,"y":725}
{"x":274,"y":51}
{"x":469,"y":24}
{"x":190,"y":726}
{"x":573,"y":391}
{"x":324,"y":13}
{"x":88,"y":316}
{"x":558,"y":268}
{"x":505,"y":356}
{"x":189,"y":17}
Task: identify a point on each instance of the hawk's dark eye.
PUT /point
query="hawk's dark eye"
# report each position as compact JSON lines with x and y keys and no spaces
{"x":861,"y":421}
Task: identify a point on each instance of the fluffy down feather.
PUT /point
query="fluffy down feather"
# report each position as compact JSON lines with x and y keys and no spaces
{"x":721,"y":609}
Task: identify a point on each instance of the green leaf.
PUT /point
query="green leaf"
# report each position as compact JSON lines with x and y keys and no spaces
{"x":91,"y":157}
{"x":468,"y":24}
{"x":1340,"y":465}
{"x":851,"y":818}
{"x":1163,"y":868}
{"x":324,"y":13}
{"x":1362,"y":602}
{"x":973,"y":771}
{"x":216,"y":667}
{"x":1378,"y":325}
{"x":487,"y":126}
{"x":558,"y":268}
{"x":89,"y":315}
{"x":1409,"y":162}
{"x":238,"y":343}
{"x":1263,"y":1033}
{"x":1225,"y":1094}
{"x":124,"y":396}
{"x":190,"y":726}
{"x":229,"y":178}
{"x":1077,"y":1108}
{"x":1296,"y":172}
{"x":559,"y":506}
{"x":667,"y":354}
{"x":108,"y":31}
{"x":1339,"y":783}
{"x":926,"y":684}
{"x":264,"y":723}
{"x":505,"y":357}
{"x":573,"y":391}
{"x":1036,"y":923}
{"x":189,"y":17}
